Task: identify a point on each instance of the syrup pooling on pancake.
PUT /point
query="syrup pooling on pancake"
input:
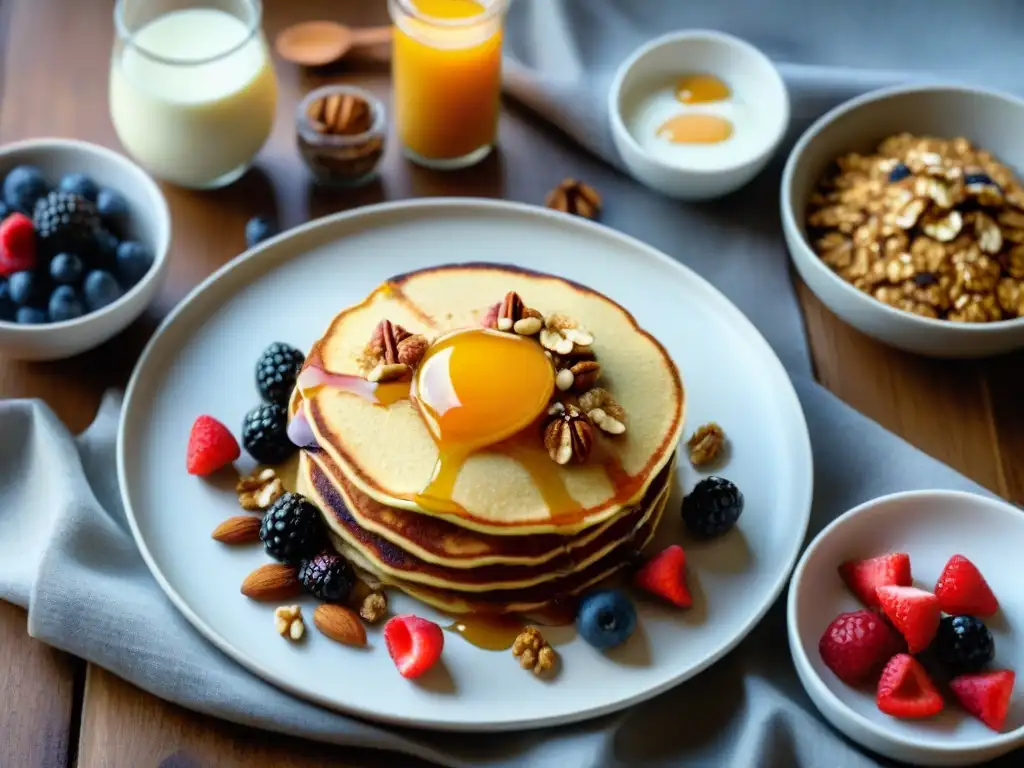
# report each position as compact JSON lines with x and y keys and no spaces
{"x":476,"y":388}
{"x":313,"y":378}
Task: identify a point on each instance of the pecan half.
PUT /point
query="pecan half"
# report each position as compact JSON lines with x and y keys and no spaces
{"x":342,"y":114}
{"x":568,"y":435}
{"x":575,"y":197}
{"x":383,"y":346}
{"x":601,"y":408}
{"x":513,"y":315}
{"x":412,"y":349}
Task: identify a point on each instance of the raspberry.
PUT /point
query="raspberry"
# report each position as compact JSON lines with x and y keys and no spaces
{"x":17,"y":244}
{"x":856,"y":645}
{"x":210,"y":447}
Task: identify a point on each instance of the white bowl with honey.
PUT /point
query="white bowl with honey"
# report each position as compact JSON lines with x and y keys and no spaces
{"x":903,"y":212}
{"x":697,"y":114}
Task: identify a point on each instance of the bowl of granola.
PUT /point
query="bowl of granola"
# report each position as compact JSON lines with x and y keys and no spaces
{"x":903,"y":211}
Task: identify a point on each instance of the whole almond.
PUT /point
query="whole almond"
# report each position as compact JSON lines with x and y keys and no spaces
{"x":273,"y":581}
{"x":340,"y":624}
{"x":240,"y":529}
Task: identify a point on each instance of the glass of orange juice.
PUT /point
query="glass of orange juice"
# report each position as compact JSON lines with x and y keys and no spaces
{"x":446,"y":72}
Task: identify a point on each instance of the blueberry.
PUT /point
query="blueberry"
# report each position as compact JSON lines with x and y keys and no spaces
{"x":104,"y":250}
{"x":898,"y":172}
{"x":66,"y":269}
{"x":30,"y":316}
{"x":133,"y":261}
{"x":24,"y":287}
{"x":101,"y":288}
{"x":111,"y":204}
{"x":65,"y":304}
{"x":258,"y":229}
{"x":979,"y":179}
{"x":606,"y":618}
{"x":23,"y":186}
{"x":7,"y":307}
{"x":79,"y":184}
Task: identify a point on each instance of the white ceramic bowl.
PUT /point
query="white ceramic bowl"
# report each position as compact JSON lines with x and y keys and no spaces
{"x":149,"y":221}
{"x":666,"y":58}
{"x":930,"y":526}
{"x":994,"y":121}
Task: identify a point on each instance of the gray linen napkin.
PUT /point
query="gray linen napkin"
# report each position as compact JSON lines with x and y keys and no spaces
{"x":68,"y":557}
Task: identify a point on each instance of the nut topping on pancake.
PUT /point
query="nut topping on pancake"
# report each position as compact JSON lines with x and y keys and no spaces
{"x":562,"y":335}
{"x":392,"y":352}
{"x":568,"y":436}
{"x":602,"y":409}
{"x":514,"y":315}
{"x":383,"y":346}
{"x":412,"y":350}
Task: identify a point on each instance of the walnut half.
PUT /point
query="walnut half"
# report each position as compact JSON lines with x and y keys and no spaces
{"x":568,"y":435}
{"x":706,"y":444}
{"x":258,"y":490}
{"x":288,"y":622}
{"x":533,"y":652}
{"x":602,"y":409}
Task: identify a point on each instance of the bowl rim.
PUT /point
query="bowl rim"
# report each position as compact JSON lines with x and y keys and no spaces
{"x":791,"y":224}
{"x":810,"y":678}
{"x":725,"y":40}
{"x":160,"y":253}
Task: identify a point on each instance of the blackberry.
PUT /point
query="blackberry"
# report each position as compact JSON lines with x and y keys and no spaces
{"x":265,"y":434}
{"x":328,"y":576}
{"x":276,"y":371}
{"x":291,"y":529}
{"x":964,"y":644}
{"x":66,"y":222}
{"x":712,"y":507}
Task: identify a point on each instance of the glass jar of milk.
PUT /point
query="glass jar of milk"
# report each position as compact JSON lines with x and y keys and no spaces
{"x":192,"y":90}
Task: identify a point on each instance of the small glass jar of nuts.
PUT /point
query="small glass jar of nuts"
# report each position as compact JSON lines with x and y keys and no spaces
{"x":341,"y":132}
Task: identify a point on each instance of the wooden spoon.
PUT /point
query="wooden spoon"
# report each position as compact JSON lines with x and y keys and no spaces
{"x":316,"y":43}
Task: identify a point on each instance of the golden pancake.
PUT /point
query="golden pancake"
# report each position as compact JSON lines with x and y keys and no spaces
{"x":395,"y":562}
{"x":393,"y":448}
{"x":438,"y":541}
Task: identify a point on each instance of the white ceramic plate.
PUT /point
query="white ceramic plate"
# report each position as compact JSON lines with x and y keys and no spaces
{"x":202,"y":361}
{"x":931,"y":526}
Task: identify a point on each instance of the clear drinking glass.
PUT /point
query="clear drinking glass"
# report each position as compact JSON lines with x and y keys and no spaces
{"x":446,"y":79}
{"x":192,"y":89}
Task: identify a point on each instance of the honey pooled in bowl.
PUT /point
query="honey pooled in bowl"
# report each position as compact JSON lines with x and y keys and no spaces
{"x":476,"y":388}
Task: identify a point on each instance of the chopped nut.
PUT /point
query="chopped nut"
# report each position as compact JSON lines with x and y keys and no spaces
{"x":568,"y":436}
{"x":340,"y":113}
{"x":533,"y":652}
{"x":564,"y":379}
{"x":575,"y":197}
{"x":412,"y":349}
{"x":374,"y":607}
{"x":706,"y":444}
{"x":288,"y":622}
{"x":258,"y":490}
{"x":384,"y":372}
{"x":585,"y":374}
{"x":944,"y":229}
{"x":602,"y":409}
{"x":383,"y":346}
{"x":563,"y":335}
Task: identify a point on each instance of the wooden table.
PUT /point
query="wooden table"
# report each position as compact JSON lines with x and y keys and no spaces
{"x":55,"y":57}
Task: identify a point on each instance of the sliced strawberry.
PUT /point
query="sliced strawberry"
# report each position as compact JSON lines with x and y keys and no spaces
{"x":856,"y":645}
{"x":914,"y":612}
{"x":985,"y":695}
{"x":863,"y":577}
{"x":962,"y":590}
{"x":664,"y":575}
{"x":414,"y":644}
{"x":210,"y":447}
{"x":905,"y":690}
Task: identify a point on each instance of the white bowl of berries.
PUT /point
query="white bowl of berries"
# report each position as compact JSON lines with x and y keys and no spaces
{"x":84,"y":235}
{"x":906,"y":625}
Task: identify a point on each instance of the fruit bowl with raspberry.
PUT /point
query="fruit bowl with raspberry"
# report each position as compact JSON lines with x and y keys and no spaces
{"x":906,"y":626}
{"x":84,"y":235}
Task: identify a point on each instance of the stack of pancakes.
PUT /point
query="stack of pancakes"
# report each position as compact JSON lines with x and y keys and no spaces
{"x":500,"y":546}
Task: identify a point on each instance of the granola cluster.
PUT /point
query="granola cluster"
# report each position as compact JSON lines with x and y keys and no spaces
{"x":579,"y":406}
{"x":930,"y":226}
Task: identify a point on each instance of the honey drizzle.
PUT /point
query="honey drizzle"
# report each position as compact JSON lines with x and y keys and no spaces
{"x":377,"y":393}
{"x":701,"y":89}
{"x":695,"y":128}
{"x":495,"y":632}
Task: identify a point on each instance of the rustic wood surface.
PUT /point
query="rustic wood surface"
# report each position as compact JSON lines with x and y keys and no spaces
{"x":55,"y":57}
